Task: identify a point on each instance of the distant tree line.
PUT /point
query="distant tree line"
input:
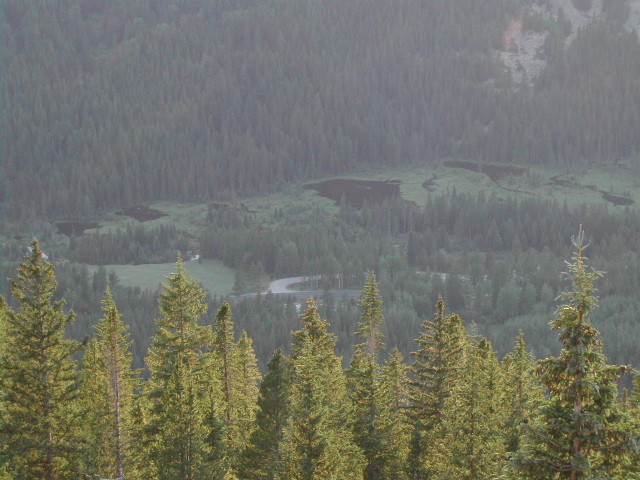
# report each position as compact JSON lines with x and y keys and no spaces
{"x":129,"y":246}
{"x":116,"y":103}
{"x":471,"y":249}
{"x":73,"y":409}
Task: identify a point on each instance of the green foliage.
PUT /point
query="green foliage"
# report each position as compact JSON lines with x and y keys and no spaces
{"x":394,"y":422}
{"x":376,"y":393}
{"x":468,"y":442}
{"x":182,"y":400}
{"x":225,"y":347}
{"x":201,"y":415}
{"x":364,"y":391}
{"x":369,"y":328}
{"x":130,"y":246}
{"x":317,"y":443}
{"x":437,"y":369}
{"x":108,"y":397}
{"x":246,"y":377}
{"x":581,"y":431}
{"x":523,"y":392}
{"x":260,"y":457}
{"x":39,"y":381}
{"x":126,"y":130}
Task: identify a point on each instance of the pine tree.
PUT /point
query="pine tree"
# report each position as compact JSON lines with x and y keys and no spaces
{"x":94,"y":403}
{"x":363,"y":379}
{"x":364,"y":393}
{"x":39,"y":381}
{"x":4,"y":474}
{"x":317,"y":443}
{"x":182,"y":416}
{"x":523,"y":392}
{"x":259,"y":459}
{"x":633,"y":408}
{"x":143,"y":439}
{"x":225,"y":348}
{"x":394,"y":422}
{"x":582,"y":431}
{"x":247,"y":378}
{"x":372,"y":318}
{"x":108,"y":395}
{"x":468,"y":443}
{"x":437,"y":368}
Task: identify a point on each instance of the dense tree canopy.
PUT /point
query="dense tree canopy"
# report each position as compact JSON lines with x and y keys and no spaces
{"x":457,"y":412}
{"x":114,"y":103}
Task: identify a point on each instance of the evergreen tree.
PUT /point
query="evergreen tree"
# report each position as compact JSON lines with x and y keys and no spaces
{"x":246,"y":379}
{"x":364,"y":392}
{"x":182,"y":413}
{"x":259,"y":459}
{"x":394,"y":421}
{"x":523,"y":392}
{"x":582,"y":431}
{"x":437,"y":368}
{"x":317,"y":443}
{"x":142,"y":438}
{"x":468,"y":443}
{"x":238,"y":375}
{"x":39,"y":378}
{"x":364,"y":383}
{"x":633,"y":408}
{"x":225,"y":347}
{"x":108,"y":395}
{"x":369,"y":328}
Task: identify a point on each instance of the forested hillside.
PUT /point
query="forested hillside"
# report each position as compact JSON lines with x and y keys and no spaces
{"x":204,"y":411}
{"x":112,"y":103}
{"x":472,"y":138}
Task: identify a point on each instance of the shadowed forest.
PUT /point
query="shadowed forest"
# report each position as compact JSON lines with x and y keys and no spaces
{"x":115,"y":103}
{"x":439,"y":155}
{"x":203,"y":410}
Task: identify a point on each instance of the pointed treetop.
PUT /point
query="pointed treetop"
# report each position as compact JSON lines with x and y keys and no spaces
{"x":582,"y":430}
{"x":310,"y":315}
{"x":581,"y":299}
{"x":315,"y":329}
{"x":369,"y":328}
{"x":224,"y":312}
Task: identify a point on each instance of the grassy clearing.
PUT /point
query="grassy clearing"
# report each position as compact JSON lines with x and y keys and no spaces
{"x":620,"y":180}
{"x":583,"y":185}
{"x":213,"y":275}
{"x":188,"y":217}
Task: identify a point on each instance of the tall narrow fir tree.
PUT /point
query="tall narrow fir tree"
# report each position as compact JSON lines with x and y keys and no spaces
{"x":582,"y":431}
{"x":39,"y":381}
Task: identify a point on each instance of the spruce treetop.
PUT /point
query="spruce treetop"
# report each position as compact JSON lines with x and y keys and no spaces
{"x":372,"y":318}
{"x":582,"y":431}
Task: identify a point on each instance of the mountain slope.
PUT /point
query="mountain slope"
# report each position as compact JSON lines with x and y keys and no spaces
{"x":116,"y":103}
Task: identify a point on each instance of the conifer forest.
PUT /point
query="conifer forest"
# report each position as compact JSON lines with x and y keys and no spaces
{"x":319,"y":240}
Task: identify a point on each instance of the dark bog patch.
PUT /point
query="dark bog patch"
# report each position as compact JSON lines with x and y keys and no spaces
{"x":494,"y":172}
{"x":142,"y":213}
{"x":356,"y":192}
{"x":617,"y":200}
{"x":218,"y":206}
{"x":74,"y":228}
{"x":430,"y":183}
{"x":561,"y":182}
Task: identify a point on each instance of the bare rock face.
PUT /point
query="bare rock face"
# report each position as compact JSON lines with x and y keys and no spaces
{"x":522,"y":53}
{"x":578,"y":12}
{"x":523,"y":50}
{"x":633,"y":22}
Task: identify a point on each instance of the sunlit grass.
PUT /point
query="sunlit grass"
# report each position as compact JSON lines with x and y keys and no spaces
{"x":213,"y":275}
